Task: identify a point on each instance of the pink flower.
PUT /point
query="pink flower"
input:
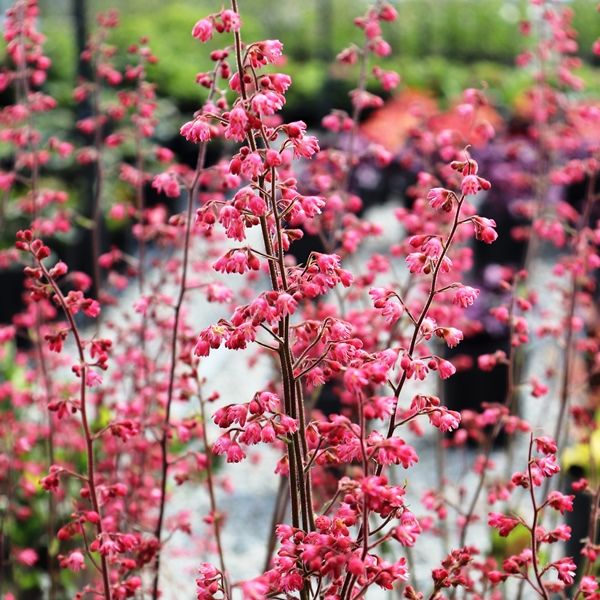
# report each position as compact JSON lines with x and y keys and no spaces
{"x":286,"y":304}
{"x":565,"y":569}
{"x":588,"y":585}
{"x":203,"y":30}
{"x":232,"y":221}
{"x":265,"y":52}
{"x":362,"y":99}
{"x":380,"y":47}
{"x":432,"y":247}
{"x":408,"y":530}
{"x":546,"y":445}
{"x":471,"y":184}
{"x":91,"y":307}
{"x":237,"y":261}
{"x":75,"y":561}
{"x":118,"y":212}
{"x":416,"y":262}
{"x":140,"y":306}
{"x":388,"y":79}
{"x":502,"y":523}
{"x":267,"y":102}
{"x":196,"y":131}
{"x":254,"y":589}
{"x":547,"y":465}
{"x":92,"y":378}
{"x":311,"y":205}
{"x":445,"y":368}
{"x":167,"y":184}
{"x":485,"y":229}
{"x":388,"y":13}
{"x":238,"y":122}
{"x":450,"y":335}
{"x":27,"y":557}
{"x":272,"y":50}
{"x":211,"y":337}
{"x":164,"y":154}
{"x":441,"y":198}
{"x":252,"y":165}
{"x":235,"y":453}
{"x":392,"y":311}
{"x":444,"y":419}
{"x":6,"y":180}
{"x":465,"y":296}
{"x":305,"y":146}
{"x":231,"y":20}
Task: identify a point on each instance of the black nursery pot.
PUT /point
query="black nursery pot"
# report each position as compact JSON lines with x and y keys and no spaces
{"x":11,"y":283}
{"x":328,"y":401}
{"x":391,"y":182}
{"x":302,"y":248}
{"x":470,"y":388}
{"x":505,"y":250}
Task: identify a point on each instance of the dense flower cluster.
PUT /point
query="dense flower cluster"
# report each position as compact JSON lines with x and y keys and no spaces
{"x":105,"y":405}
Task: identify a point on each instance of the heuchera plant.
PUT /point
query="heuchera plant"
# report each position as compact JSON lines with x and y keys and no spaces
{"x":104,"y":400}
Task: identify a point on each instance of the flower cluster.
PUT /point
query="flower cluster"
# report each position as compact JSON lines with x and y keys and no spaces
{"x":109,"y":401}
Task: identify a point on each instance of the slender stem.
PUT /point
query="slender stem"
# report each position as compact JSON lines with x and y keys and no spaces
{"x":22,"y":95}
{"x":588,"y":565}
{"x":423,"y":314}
{"x":566,"y":374}
{"x":141,"y":207}
{"x":533,"y":528}
{"x":89,"y":441}
{"x":281,"y":501}
{"x":347,"y":587}
{"x":48,"y":394}
{"x":211,"y":492}
{"x":192,"y":193}
{"x":510,"y":393}
{"x":98,"y":188}
{"x":293,"y":404}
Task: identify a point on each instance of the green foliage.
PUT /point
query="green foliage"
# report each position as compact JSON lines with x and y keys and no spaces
{"x":516,"y":541}
{"x":585,"y":456}
{"x":439,"y":45}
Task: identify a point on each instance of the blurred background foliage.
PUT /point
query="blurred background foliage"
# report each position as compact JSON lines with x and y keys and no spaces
{"x":439,"y":45}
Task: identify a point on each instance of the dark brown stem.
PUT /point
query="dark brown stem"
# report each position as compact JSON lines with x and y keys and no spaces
{"x":299,"y":483}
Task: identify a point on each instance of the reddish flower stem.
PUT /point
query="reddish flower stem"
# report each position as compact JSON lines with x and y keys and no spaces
{"x":534,"y":546}
{"x":22,"y":95}
{"x":89,"y":440}
{"x":192,"y":193}
{"x":98,"y":188}
{"x":565,"y":381}
{"x":300,"y":494}
{"x":489,"y":446}
{"x":347,"y":586}
{"x":211,"y":494}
